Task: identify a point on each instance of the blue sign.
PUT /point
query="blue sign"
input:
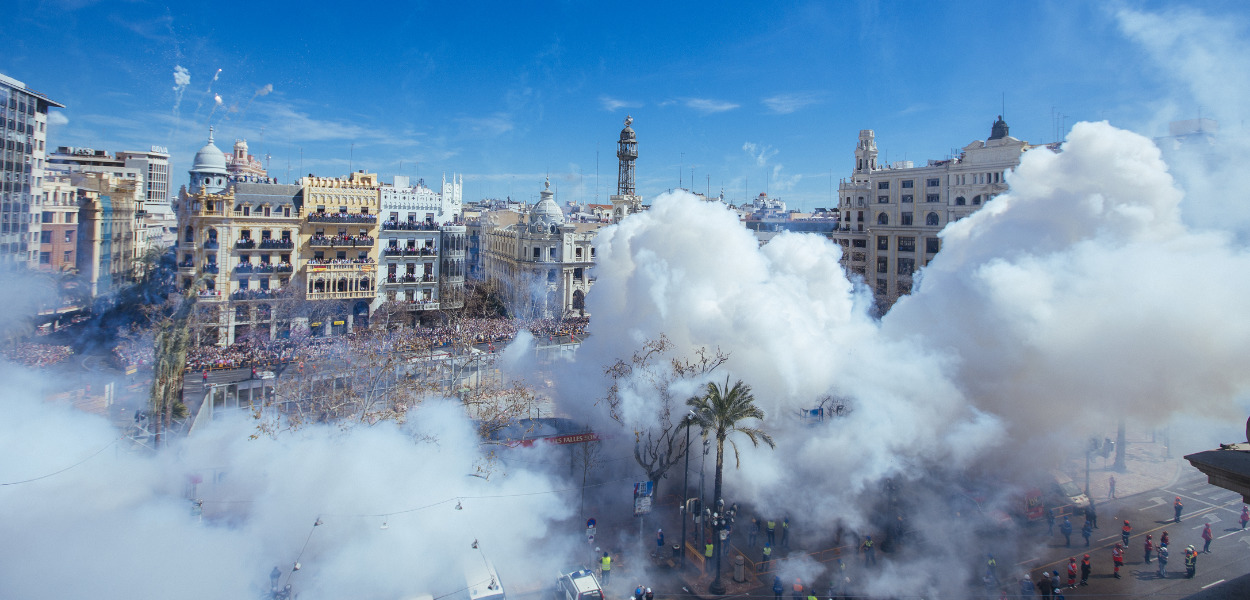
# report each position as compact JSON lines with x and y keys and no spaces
{"x":590,"y":523}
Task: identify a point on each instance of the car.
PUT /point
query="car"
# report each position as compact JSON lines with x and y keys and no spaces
{"x":578,"y":585}
{"x":483,"y":581}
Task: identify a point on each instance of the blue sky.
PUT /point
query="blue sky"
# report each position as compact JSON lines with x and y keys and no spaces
{"x":744,"y":96}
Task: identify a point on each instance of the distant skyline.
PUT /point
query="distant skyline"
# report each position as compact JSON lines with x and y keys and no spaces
{"x":741,"y":96}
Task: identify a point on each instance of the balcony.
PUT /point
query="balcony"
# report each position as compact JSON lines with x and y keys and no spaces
{"x":414,"y":251}
{"x":210,"y":245}
{"x":416,"y":304}
{"x":409,"y":226}
{"x":283,"y":268}
{"x":250,"y":294}
{"x":322,"y":241}
{"x":325,"y":217}
{"x":247,"y":267}
{"x":283,"y":244}
{"x":210,"y":294}
{"x":210,"y":268}
{"x":411,"y":278}
{"x":245,"y":244}
{"x":186,"y":264}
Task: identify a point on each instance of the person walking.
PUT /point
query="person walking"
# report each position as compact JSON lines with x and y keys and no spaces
{"x":1085,"y":569}
{"x":1150,"y":546}
{"x":605,"y":568}
{"x":1072,"y":571}
{"x":1163,"y":561}
{"x":1125,"y":532}
{"x":205,"y":379}
{"x":1111,"y":485}
{"x":777,"y":588}
{"x":1117,"y":557}
{"x":1177,"y":507}
{"x":1087,"y":530}
{"x":1191,"y":562}
{"x":1066,"y":529}
{"x":1245,"y":516}
{"x":1206,"y":539}
{"x":1050,"y":521}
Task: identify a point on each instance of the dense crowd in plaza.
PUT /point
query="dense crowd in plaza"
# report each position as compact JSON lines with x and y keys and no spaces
{"x":30,"y":354}
{"x":138,"y":352}
{"x":473,"y":331}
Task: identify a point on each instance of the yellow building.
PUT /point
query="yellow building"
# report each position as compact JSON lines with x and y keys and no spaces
{"x":338,"y":249}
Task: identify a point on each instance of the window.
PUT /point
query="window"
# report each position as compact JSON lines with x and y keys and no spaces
{"x":932,"y":182}
{"x":69,"y":236}
{"x":858,"y":256}
{"x":45,"y":258}
{"x":882,"y":287}
{"x":883,"y":219}
{"x":69,"y":256}
{"x":537,"y":253}
{"x":45,"y":237}
{"x":905,"y":219}
{"x":883,"y":264}
{"x":883,"y":242}
{"x":859,"y":243}
{"x":906,"y":244}
{"x":907,"y":183}
{"x":907,"y":198}
{"x":906,"y":266}
{"x":883,"y":185}
{"x":932,"y":198}
{"x":266,"y":210}
{"x":960,"y":201}
{"x":264,"y":283}
{"x":976,"y":199}
{"x":931,"y":219}
{"x":247,"y":211}
{"x":931,"y":245}
{"x":286,"y":211}
{"x":883,"y":199}
{"x":47,"y":217}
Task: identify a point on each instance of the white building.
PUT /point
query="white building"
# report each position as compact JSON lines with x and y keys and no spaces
{"x":422,"y":247}
{"x":24,"y":134}
{"x":541,"y":264}
{"x":891,"y":215}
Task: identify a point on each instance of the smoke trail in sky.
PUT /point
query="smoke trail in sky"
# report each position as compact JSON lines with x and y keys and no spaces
{"x":182,"y":78}
{"x":264,"y":91}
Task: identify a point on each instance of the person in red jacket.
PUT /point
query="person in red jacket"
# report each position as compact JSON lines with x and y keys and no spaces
{"x":1206,"y":539}
{"x":1125,"y":532}
{"x":1117,"y":557}
{"x":1072,"y":571}
{"x":1150,"y":546}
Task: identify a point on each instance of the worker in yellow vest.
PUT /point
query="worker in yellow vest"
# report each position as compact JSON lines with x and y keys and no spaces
{"x":606,"y":567}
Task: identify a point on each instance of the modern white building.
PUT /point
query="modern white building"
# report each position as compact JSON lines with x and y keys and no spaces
{"x":24,"y":135}
{"x":422,"y":247}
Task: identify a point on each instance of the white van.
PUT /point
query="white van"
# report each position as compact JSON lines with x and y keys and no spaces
{"x":482,"y":581}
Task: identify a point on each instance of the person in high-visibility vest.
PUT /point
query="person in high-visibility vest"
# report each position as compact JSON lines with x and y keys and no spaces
{"x":606,"y":567}
{"x":708,"y":549}
{"x":772,"y":531}
{"x":768,"y":555}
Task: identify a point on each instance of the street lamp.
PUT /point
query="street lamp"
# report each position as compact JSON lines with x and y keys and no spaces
{"x":718,"y":527}
{"x":688,"y":421}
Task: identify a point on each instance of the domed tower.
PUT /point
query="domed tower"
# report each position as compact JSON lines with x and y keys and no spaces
{"x":999,"y":130}
{"x":208,"y":171}
{"x":627,"y":152}
{"x":546,"y":213}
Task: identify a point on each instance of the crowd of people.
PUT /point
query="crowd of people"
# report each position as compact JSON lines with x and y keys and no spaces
{"x":30,"y":354}
{"x":134,"y":352}
{"x":475,"y":331}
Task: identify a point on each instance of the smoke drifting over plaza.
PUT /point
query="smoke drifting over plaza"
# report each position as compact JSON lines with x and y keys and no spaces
{"x":1105,"y":285}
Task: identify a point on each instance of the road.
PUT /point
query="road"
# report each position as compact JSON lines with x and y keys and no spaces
{"x":1219,"y":574}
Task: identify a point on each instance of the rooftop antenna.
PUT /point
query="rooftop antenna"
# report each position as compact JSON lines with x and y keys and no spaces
{"x":596,"y":172}
{"x":351,"y":154}
{"x":1004,"y":113}
{"x":681,"y":165}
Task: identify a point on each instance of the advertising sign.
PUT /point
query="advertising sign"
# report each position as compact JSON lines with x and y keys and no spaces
{"x":643,"y":492}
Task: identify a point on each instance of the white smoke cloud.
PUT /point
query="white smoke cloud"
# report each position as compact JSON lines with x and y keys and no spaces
{"x":57,"y":118}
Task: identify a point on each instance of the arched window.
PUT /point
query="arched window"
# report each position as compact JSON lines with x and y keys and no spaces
{"x":883,"y":219}
{"x":976,"y":199}
{"x":579,"y":300}
{"x":931,"y":219}
{"x":364,"y":284}
{"x":960,"y":201}
{"x":342,"y":285}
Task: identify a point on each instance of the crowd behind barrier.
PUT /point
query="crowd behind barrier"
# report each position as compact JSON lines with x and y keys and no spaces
{"x":30,"y":354}
{"x":134,"y":352}
{"x":298,"y":349}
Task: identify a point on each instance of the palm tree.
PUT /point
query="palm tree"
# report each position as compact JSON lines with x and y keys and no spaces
{"x":723,"y":410}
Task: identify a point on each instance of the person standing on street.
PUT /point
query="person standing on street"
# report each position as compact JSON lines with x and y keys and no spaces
{"x":659,"y":541}
{"x":649,"y":595}
{"x":991,"y":568}
{"x":1177,"y":507}
{"x":1163,"y":561}
{"x":798,"y":588}
{"x":1026,"y":587}
{"x":1111,"y":484}
{"x":1087,"y":530}
{"x":1072,"y":571}
{"x":1066,"y":529}
{"x":1085,"y":569}
{"x":1125,"y":532}
{"x":777,"y":588}
{"x":1050,"y":521}
{"x":605,"y":568}
{"x":1043,"y":586}
{"x":1117,"y":557}
{"x":1054,"y":582}
{"x":753,"y":532}
{"x":870,"y":553}
{"x":1091,"y":513}
{"x":785,"y":532}
{"x":1206,"y":539}
{"x":1163,"y":540}
{"x":1191,"y":562}
{"x":768,"y":555}
{"x":1245,"y":516}
{"x":1150,"y":546}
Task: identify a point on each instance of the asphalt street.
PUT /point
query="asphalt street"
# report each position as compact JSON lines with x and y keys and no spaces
{"x":1219,"y":573}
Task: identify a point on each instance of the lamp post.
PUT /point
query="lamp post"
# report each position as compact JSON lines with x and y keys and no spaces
{"x":717,"y":587}
{"x":688,"y":420}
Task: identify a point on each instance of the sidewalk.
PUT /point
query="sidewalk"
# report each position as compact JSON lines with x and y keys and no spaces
{"x":1146,"y":463}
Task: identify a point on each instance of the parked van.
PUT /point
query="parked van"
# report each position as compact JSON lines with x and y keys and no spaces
{"x":1065,"y":492}
{"x":482,"y":581}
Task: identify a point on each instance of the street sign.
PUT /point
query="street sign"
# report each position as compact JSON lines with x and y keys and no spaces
{"x":643,"y":491}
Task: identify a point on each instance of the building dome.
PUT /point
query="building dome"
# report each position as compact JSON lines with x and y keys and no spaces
{"x":546,"y":213}
{"x":210,"y":158}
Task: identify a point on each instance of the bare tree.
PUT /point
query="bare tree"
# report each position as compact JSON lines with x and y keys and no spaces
{"x":661,"y":446}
